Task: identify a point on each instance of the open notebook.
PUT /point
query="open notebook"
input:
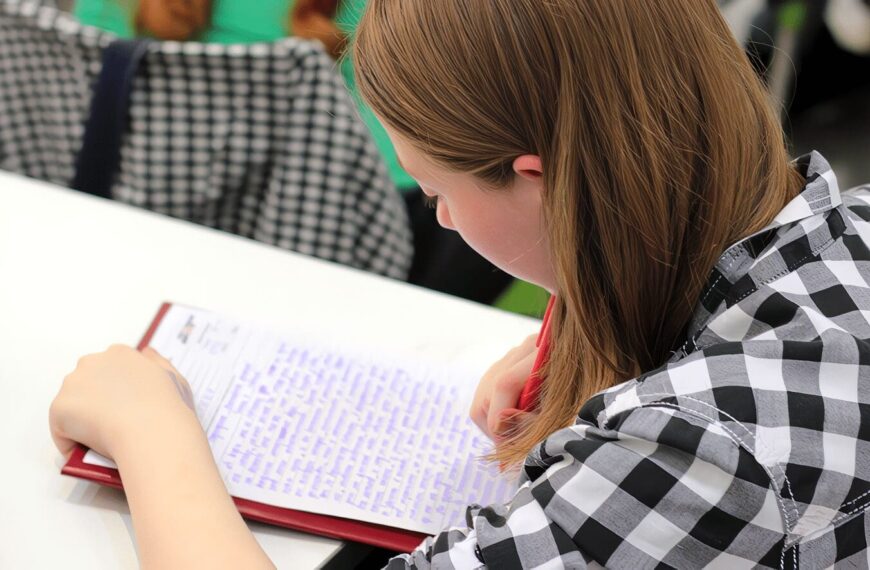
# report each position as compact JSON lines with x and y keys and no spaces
{"x":310,"y":435}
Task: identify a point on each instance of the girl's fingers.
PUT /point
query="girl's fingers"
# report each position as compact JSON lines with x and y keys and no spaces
{"x":183,"y":389}
{"x":176,"y":377}
{"x":531,"y":341}
{"x":64,"y":444}
{"x":500,"y":387}
{"x":155,"y":357}
{"x":506,"y":419}
{"x":520,"y":352}
{"x":506,"y":393}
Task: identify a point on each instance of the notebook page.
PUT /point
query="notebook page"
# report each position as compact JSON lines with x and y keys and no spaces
{"x":304,"y":425}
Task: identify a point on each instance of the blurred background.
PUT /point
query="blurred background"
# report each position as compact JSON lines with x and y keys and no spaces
{"x":813,"y":54}
{"x":824,"y":79}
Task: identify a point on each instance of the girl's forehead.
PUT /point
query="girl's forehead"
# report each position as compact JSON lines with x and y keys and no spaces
{"x":409,"y":157}
{"x":423,"y":168}
{"x":413,"y":160}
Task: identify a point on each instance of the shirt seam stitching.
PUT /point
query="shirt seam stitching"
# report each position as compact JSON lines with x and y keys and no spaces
{"x":813,"y":252}
{"x":739,"y":441}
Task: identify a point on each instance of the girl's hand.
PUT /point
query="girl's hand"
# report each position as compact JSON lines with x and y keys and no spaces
{"x":114,"y":396}
{"x":499,"y":390}
{"x":137,"y":409}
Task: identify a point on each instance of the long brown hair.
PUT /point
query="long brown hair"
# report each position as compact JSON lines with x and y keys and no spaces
{"x":184,"y":19}
{"x":659,"y":145}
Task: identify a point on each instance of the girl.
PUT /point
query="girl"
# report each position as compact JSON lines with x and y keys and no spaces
{"x":704,"y":362}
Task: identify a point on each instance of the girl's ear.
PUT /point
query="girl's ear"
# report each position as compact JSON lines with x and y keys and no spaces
{"x":529,"y":167}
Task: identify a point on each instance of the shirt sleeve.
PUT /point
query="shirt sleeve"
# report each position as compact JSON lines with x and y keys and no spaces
{"x":659,"y":486}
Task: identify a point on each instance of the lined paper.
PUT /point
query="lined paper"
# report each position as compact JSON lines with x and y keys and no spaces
{"x":306,"y":425}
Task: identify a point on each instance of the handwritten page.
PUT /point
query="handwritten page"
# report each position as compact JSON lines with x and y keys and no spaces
{"x":304,"y":425}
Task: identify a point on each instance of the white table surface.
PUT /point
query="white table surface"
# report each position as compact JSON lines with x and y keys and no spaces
{"x":79,"y":273}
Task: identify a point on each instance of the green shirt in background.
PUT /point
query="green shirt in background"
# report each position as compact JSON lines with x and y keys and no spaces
{"x":349,"y":14}
{"x":235,"y":21}
{"x":114,"y":16}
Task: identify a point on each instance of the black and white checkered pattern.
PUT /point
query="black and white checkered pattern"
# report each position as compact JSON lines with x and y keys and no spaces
{"x":47,"y":66}
{"x":750,"y":448}
{"x":261,"y":140}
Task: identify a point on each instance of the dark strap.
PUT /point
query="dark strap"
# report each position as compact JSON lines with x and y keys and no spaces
{"x":100,"y":156}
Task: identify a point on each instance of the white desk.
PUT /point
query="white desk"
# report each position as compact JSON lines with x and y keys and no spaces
{"x":78,"y":274}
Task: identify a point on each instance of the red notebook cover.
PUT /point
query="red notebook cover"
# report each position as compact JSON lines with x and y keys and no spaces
{"x":333,"y":527}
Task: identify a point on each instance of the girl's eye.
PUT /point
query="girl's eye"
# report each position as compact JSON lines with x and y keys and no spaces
{"x":430,"y":201}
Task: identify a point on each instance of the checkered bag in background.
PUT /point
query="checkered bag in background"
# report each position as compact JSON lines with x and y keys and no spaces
{"x":260,"y":140}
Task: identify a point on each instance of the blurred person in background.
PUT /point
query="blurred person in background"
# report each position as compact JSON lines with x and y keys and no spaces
{"x":330,"y":22}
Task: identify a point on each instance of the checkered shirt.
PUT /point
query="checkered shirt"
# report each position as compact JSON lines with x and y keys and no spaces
{"x":259,"y":140}
{"x":751,"y":447}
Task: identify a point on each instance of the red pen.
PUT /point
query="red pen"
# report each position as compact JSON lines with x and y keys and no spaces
{"x":529,"y":396}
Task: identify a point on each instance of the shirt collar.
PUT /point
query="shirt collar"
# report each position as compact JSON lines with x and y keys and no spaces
{"x":820,"y":194}
{"x":747,"y":258}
